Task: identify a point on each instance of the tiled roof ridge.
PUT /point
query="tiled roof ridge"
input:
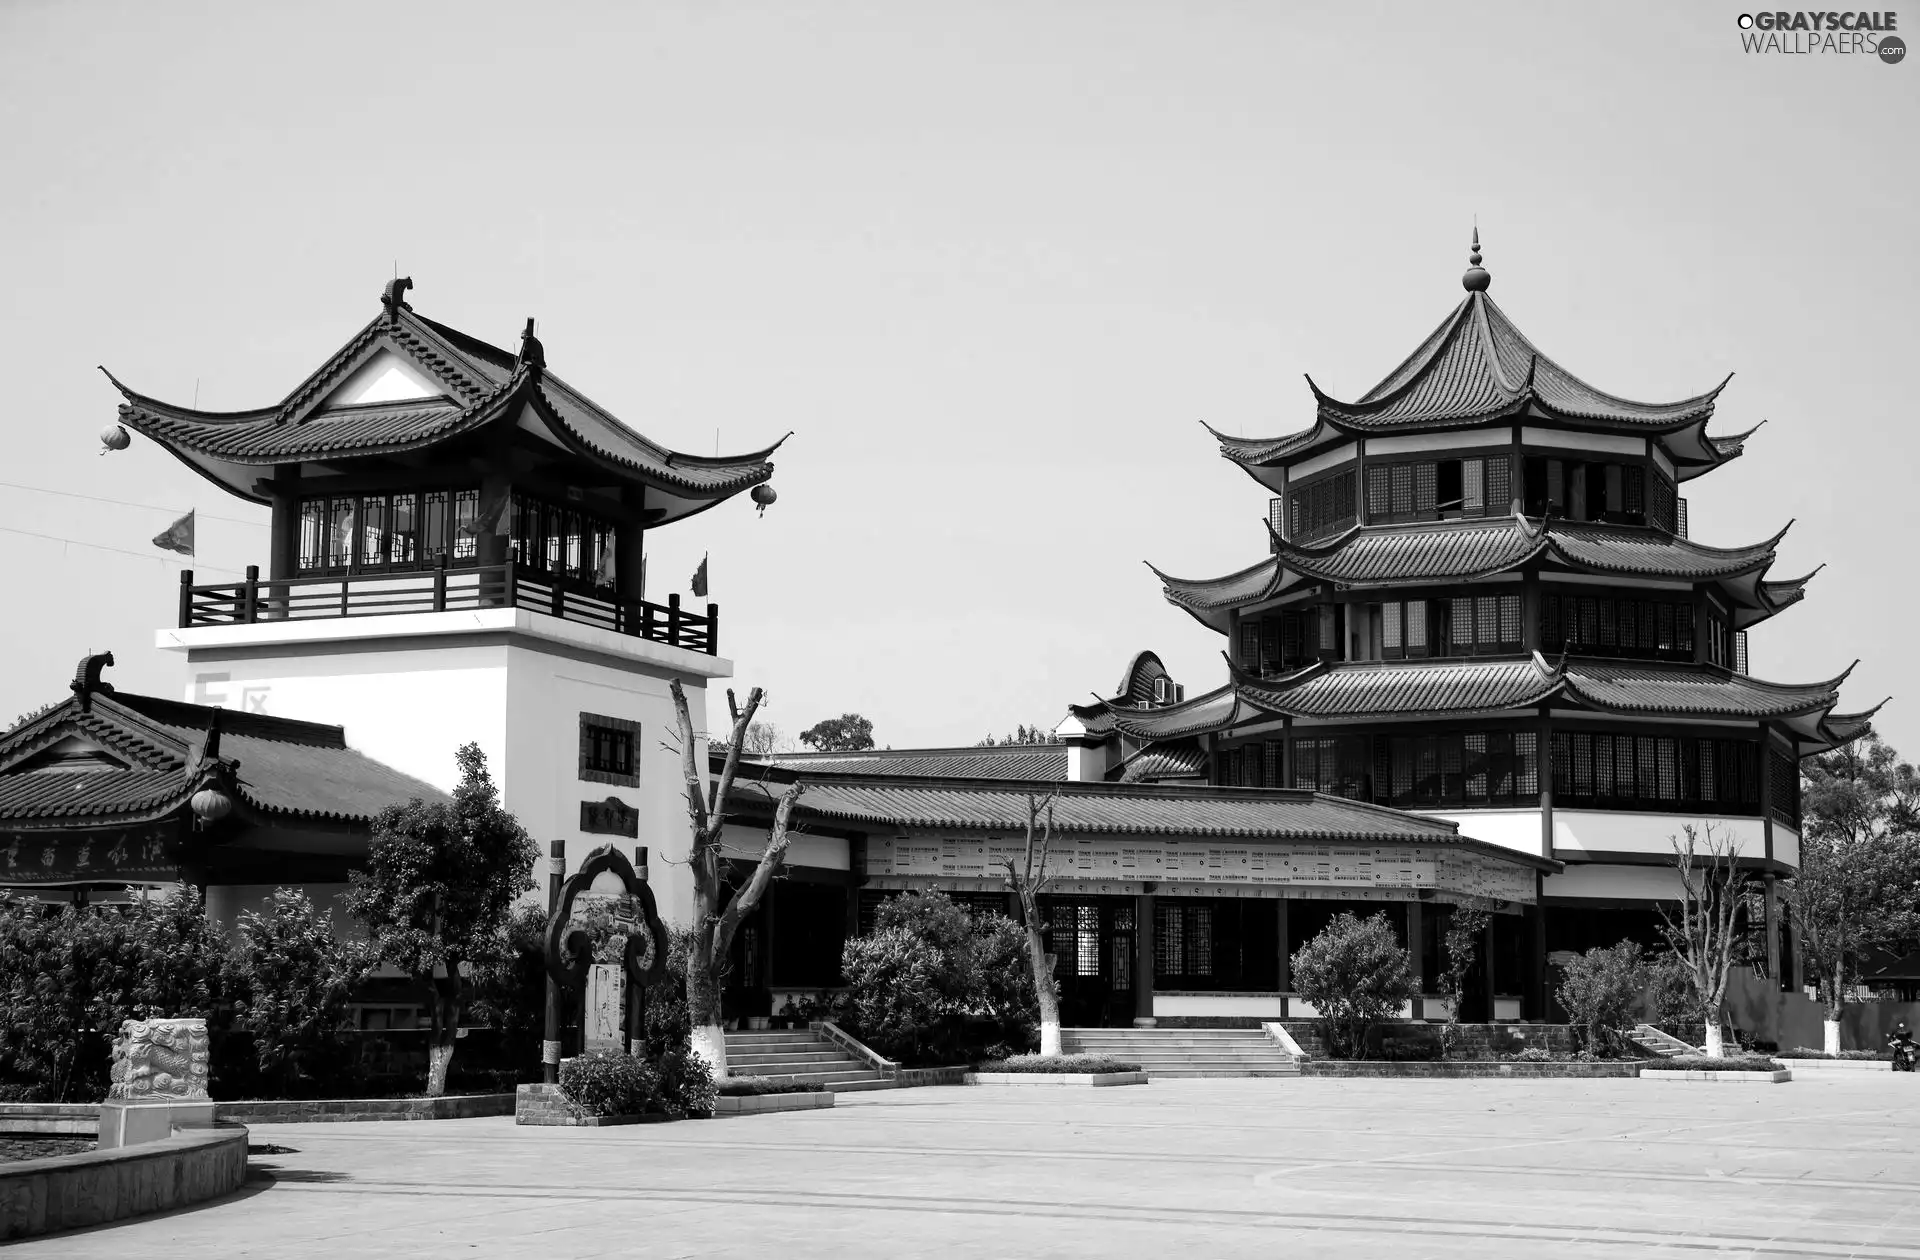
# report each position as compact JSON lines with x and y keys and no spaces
{"x":152,"y":748}
{"x":1492,"y":311}
{"x":896,"y":753}
{"x":284,"y":730}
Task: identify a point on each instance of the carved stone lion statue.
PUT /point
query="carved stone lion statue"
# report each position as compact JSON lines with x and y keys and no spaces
{"x":161,"y":1059}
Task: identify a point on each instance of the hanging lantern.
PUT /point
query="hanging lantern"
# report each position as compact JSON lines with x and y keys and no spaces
{"x":764,"y":495}
{"x":210,"y":804}
{"x":113,"y":438}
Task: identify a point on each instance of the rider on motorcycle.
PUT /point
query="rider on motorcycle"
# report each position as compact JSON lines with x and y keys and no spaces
{"x":1900,"y":1041}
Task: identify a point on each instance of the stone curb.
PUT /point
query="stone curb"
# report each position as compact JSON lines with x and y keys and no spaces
{"x":1779,"y":1077}
{"x":1837,"y":1065}
{"x":1468,"y":1069}
{"x":1095,"y":1080}
{"x":752,"y":1104}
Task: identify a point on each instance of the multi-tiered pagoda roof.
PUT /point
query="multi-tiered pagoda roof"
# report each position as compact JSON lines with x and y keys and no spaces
{"x":1466,"y":550}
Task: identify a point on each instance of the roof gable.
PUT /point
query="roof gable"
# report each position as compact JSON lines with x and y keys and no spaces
{"x":385,"y":377}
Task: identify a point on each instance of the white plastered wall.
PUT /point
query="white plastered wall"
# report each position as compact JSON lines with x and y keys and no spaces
{"x":1579,"y":832}
{"x":410,"y":690}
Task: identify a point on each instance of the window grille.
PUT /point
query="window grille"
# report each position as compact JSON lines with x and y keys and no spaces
{"x":1739,"y":651}
{"x":1473,"y":485}
{"x":608,"y":747}
{"x":1562,"y":764}
{"x":466,"y":520}
{"x":1277,"y":518}
{"x":1423,"y":490}
{"x":1169,"y":939}
{"x":313,"y":533}
{"x":1417,"y":627}
{"x":1200,"y":941}
{"x":1088,"y":945}
{"x":1390,"y":628}
{"x":1273,"y":760}
{"x":1474,"y":744}
{"x":1379,"y":493}
{"x":1402,"y":490}
{"x":1499,"y":486}
{"x":1510,"y":619}
{"x":1250,"y":645}
{"x":1683,"y":519}
{"x":1526,"y":765}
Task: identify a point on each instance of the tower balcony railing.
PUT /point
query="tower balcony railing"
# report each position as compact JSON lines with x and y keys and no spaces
{"x":442,"y":589}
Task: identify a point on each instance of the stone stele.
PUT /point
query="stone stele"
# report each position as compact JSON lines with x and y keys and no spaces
{"x":160,"y":1060}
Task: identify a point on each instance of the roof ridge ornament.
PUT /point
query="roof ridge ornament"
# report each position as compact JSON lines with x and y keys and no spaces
{"x":1477,"y":279}
{"x":532,"y":353}
{"x":87,"y":682}
{"x":394,"y":297}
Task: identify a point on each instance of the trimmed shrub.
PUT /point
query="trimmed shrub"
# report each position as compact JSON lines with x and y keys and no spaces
{"x":296,"y":975}
{"x":1355,"y":974}
{"x":686,"y":1085}
{"x":1807,"y":1052}
{"x":1701,"y":1063}
{"x":754,"y":1086}
{"x":1058,"y":1064}
{"x":606,"y":1083}
{"x":1532,"y":1054}
{"x":1601,"y":989}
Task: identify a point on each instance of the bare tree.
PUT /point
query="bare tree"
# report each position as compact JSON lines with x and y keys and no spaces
{"x":713,"y":925}
{"x":1028,"y":876}
{"x":1701,"y":929}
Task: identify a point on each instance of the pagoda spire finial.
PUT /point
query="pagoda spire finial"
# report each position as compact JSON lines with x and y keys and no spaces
{"x":1476,"y":280}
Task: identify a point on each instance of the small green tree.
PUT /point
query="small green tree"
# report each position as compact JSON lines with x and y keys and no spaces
{"x":63,"y":977}
{"x":296,"y":975}
{"x":1355,"y":974}
{"x":847,"y":733}
{"x":1460,"y":946}
{"x":181,"y":968}
{"x":439,"y":886}
{"x":1601,"y":989}
{"x":894,"y":981}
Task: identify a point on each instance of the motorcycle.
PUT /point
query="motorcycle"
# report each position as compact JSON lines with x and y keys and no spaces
{"x":1904,"y":1054}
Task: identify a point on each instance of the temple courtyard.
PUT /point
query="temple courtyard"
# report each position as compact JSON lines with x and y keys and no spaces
{"x":1823,"y":1166}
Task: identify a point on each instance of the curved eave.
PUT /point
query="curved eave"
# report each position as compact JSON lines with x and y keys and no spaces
{"x":1773,"y":598}
{"x":1210,"y":606}
{"x":131,"y":814}
{"x":181,"y":433}
{"x":1839,"y":729}
{"x":1216,"y":710}
{"x":1801,"y":708}
{"x":1471,"y":689}
{"x":639,"y":461}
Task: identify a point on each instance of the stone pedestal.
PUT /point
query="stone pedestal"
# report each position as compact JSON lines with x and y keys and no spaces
{"x":124,"y":1123}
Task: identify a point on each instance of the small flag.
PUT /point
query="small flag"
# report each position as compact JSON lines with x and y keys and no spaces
{"x":177,"y":536}
{"x":700,"y":578}
{"x":603,"y":572}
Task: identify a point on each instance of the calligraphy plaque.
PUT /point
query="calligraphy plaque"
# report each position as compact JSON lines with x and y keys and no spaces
{"x":611,"y":817}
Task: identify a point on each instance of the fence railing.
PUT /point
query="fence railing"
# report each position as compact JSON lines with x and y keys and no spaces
{"x":442,"y":589}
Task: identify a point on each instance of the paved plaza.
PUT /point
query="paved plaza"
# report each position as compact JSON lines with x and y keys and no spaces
{"x":1305,"y":1167}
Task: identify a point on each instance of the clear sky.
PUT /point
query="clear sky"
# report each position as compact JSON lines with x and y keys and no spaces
{"x":993,"y":263}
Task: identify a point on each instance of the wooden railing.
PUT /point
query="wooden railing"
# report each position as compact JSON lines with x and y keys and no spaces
{"x":442,"y":589}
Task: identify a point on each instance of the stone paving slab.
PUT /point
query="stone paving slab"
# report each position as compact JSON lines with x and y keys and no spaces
{"x":1214,"y":1168}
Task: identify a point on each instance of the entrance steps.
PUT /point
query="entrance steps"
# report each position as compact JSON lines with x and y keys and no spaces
{"x":803,"y":1055}
{"x":1185,"y":1052}
{"x":1653,"y":1041}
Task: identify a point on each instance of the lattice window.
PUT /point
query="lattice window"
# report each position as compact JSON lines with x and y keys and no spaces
{"x":1087,"y":947}
{"x":1474,"y":746}
{"x":1402,"y":484}
{"x":1582,"y":752}
{"x":313,"y":533}
{"x":1510,"y":619}
{"x":1250,"y":645}
{"x":1499,"y":486}
{"x":1379,"y":492}
{"x":1423,"y":490}
{"x":466,"y":524}
{"x":1274,"y":758}
{"x":609,"y":749}
{"x":1389,"y":619}
{"x":1603,"y":766}
{"x":1416,"y":627}
{"x":1562,"y":764}
{"x":1667,"y":756}
{"x":1200,"y":941}
{"x":1169,"y":939}
{"x":1526,"y":765}
{"x":1473,"y":487}
{"x":1486,"y":621}
{"x":1277,"y":517}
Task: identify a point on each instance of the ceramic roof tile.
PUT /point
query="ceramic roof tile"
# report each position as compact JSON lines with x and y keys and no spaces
{"x":1037,"y":763}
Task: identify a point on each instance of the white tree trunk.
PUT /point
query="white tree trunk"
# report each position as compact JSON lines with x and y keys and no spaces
{"x":710,"y":1043}
{"x":438,"y":1059}
{"x":1716,"y":1048}
{"x":1050,"y":1039}
{"x":1830,"y":1028}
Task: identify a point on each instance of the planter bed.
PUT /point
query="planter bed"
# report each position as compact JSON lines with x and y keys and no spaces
{"x":39,"y":1196}
{"x":1836,"y":1065}
{"x":311,"y":1111}
{"x":1465,"y":1068}
{"x":1779,"y":1077}
{"x":753,"y":1104}
{"x":1093,"y":1079}
{"x":45,"y":1119}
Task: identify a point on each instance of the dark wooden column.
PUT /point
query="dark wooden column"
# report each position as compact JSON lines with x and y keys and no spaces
{"x":1770,"y":903}
{"x":629,"y":547}
{"x":1286,"y":963}
{"x":856,"y":878}
{"x":1143,"y":960}
{"x":1543,"y":758}
{"x":283,"y":549}
{"x":1534,"y":919}
{"x":1415,"y":948}
{"x":1492,"y":983}
{"x":1766,"y":788}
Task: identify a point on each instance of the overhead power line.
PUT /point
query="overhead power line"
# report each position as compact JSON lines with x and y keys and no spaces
{"x":138,"y":555}
{"x":146,"y":507}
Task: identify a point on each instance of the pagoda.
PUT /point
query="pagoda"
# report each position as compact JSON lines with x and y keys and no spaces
{"x":1480,"y":602}
{"x":457,"y":554}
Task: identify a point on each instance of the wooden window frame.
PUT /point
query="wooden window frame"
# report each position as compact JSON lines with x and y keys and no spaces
{"x":590,"y":723}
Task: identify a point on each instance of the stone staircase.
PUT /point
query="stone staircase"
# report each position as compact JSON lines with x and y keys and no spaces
{"x":804,"y":1055}
{"x":1185,"y":1052}
{"x":1653,"y":1041}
